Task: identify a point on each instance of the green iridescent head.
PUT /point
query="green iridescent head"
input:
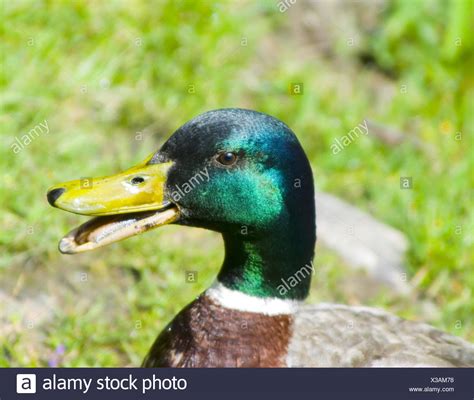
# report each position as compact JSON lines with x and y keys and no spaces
{"x":244,"y":174}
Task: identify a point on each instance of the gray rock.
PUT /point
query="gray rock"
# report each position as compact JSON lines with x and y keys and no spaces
{"x":32,"y":312}
{"x":362,"y":241}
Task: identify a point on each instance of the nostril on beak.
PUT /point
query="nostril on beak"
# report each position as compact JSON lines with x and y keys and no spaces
{"x":54,"y":194}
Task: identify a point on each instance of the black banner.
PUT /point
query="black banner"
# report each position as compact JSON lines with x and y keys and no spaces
{"x":327,"y":384}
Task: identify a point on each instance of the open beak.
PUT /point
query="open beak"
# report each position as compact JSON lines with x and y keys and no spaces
{"x":124,"y":205}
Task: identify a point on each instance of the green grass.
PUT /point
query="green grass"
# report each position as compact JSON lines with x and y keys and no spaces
{"x":104,"y":74}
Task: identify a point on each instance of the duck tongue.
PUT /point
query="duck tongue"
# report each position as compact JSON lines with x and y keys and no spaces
{"x":104,"y":230}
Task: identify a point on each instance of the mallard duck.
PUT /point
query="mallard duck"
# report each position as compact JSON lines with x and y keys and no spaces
{"x":244,"y":174}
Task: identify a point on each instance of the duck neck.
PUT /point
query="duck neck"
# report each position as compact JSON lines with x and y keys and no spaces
{"x":276,"y":265}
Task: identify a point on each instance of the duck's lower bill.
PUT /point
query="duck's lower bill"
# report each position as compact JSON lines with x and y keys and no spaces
{"x":101,"y":231}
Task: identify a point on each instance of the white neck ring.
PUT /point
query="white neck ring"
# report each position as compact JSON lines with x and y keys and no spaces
{"x":236,"y":300}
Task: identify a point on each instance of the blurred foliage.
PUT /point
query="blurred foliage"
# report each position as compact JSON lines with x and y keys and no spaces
{"x":114,"y":79}
{"x":436,"y":54}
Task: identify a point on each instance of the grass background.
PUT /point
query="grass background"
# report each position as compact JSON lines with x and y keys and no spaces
{"x":114,"y":79}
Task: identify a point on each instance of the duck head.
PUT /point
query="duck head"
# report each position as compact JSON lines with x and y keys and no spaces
{"x":235,"y":171}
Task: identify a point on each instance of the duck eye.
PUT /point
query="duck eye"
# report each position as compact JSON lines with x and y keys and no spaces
{"x":137,"y":180}
{"x":227,"y":158}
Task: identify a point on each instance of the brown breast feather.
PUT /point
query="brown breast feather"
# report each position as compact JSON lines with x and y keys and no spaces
{"x":205,"y":334}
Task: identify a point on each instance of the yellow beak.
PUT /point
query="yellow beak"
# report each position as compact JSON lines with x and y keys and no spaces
{"x":125,"y":204}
